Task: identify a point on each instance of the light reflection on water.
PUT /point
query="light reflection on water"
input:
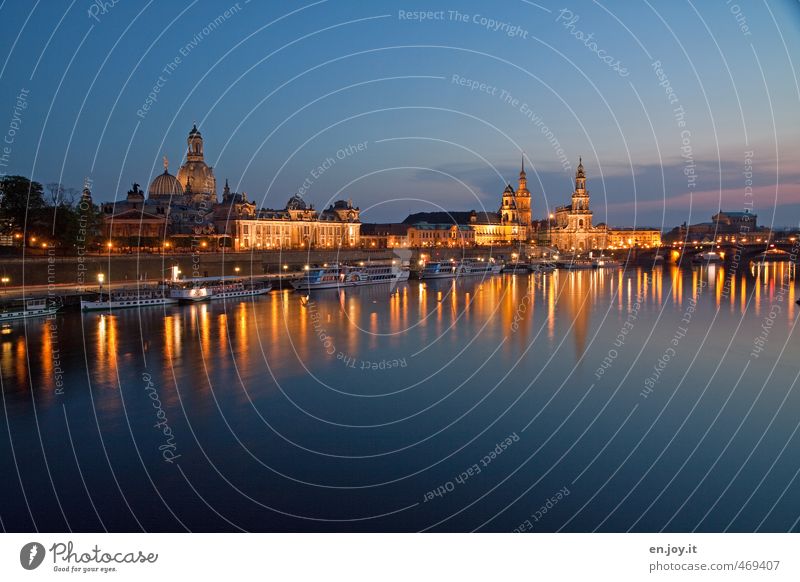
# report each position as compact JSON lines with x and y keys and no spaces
{"x":407,"y":376}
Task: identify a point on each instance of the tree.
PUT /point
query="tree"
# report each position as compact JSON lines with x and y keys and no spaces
{"x":70,"y":196}
{"x":21,"y":204}
{"x":55,"y":193}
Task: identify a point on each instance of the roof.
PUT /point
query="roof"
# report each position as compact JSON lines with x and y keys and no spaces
{"x":296,"y":202}
{"x":428,"y":226}
{"x":165,"y":185}
{"x":376,"y":229}
{"x":136,"y":214}
{"x":738,"y":214}
{"x":453,"y":217}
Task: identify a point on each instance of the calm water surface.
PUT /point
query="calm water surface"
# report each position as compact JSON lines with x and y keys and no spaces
{"x":642,"y":400}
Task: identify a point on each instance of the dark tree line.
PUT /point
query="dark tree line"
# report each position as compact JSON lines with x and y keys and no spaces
{"x":61,"y":218}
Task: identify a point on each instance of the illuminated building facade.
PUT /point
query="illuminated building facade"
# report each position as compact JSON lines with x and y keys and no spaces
{"x":297,"y":226}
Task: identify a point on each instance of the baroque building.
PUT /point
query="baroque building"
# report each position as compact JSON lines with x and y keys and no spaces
{"x":515,"y":208}
{"x":571,"y":228}
{"x":185,"y":208}
{"x":298,"y":226}
{"x":510,"y":224}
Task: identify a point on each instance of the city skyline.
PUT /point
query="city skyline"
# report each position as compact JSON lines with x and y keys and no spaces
{"x":442,"y":125}
{"x":347,"y":268}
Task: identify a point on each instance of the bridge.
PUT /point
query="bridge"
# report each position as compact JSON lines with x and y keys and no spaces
{"x":745,"y":252}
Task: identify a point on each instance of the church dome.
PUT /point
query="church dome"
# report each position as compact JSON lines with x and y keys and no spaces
{"x":165,"y":185}
{"x":199,"y":176}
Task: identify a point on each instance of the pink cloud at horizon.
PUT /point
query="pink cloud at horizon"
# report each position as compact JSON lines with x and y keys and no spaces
{"x":763,"y":200}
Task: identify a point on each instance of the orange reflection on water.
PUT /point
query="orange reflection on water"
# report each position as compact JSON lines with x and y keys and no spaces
{"x":107,"y":347}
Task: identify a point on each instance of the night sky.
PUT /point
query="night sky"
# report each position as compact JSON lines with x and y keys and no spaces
{"x":668,"y":103}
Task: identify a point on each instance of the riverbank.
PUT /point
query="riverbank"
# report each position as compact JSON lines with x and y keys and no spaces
{"x":36,"y":275}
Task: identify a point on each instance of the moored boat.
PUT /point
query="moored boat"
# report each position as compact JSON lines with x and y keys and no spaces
{"x":541,"y":267}
{"x":375,"y":274}
{"x":26,"y":308}
{"x":462,"y":268}
{"x":515,"y":267}
{"x":707,"y":257}
{"x":577,"y":264}
{"x":335,"y":276}
{"x":145,"y":296}
{"x":209,"y":288}
{"x":603,"y":262}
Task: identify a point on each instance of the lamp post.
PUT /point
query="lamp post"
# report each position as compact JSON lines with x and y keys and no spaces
{"x":100,"y":278}
{"x":5,"y":281}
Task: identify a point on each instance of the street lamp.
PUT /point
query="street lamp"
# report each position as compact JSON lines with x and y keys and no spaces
{"x":236,"y":270}
{"x":100,"y":278}
{"x":5,"y":281}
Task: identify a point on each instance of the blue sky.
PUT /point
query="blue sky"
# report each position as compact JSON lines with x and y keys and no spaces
{"x":278,"y":89}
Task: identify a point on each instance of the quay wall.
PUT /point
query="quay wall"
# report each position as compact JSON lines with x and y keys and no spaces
{"x":34,"y":270}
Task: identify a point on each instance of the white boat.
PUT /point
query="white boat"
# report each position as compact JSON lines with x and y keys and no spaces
{"x":515,"y":267}
{"x":438,"y":270}
{"x":208,"y":288}
{"x":707,"y":257}
{"x":372,"y":274}
{"x":577,"y":264}
{"x":602,"y":262}
{"x":541,"y":267}
{"x":146,"y":296}
{"x":462,"y":268}
{"x":23,"y":309}
{"x":328,"y":277}
{"x":335,"y":276}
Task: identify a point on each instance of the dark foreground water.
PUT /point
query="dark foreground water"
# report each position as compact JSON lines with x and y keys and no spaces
{"x":639,"y":400}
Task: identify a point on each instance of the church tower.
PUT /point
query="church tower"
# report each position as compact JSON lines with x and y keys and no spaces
{"x":508,"y":207}
{"x":195,"y":142}
{"x":523,"y":198}
{"x":581,"y":215}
